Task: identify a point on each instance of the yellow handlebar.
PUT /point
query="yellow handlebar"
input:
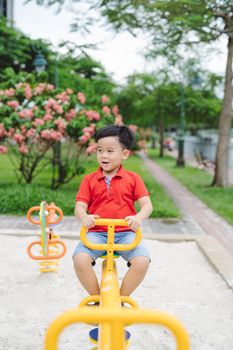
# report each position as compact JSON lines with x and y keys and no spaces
{"x":111,"y":223}
{"x":116,"y":320}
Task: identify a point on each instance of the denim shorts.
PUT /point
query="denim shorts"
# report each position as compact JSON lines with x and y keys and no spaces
{"x":125,"y":237}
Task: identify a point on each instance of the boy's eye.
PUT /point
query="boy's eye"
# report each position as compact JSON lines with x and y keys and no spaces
{"x":110,"y":151}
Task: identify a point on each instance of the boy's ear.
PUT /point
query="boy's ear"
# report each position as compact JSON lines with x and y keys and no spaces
{"x":126,"y":154}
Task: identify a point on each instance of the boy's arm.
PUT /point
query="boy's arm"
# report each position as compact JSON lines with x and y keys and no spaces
{"x":81,"y":213}
{"x":145,"y":211}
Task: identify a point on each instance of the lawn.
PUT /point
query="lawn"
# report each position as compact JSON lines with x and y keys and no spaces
{"x":199,"y":183}
{"x":18,"y":198}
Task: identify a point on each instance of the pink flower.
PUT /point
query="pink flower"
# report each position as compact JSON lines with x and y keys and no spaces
{"x":58,"y":109}
{"x":3,"y":149}
{"x":38,"y":90}
{"x":2,"y":131}
{"x":28,"y":92}
{"x":70,"y":115}
{"x":89,"y":129}
{"x":115,"y":110}
{"x":43,"y":87}
{"x":50,"y":87}
{"x":83,"y":139}
{"x":133,"y":128}
{"x":63,"y":97}
{"x":46,"y":134}
{"x":118,"y":120}
{"x":61,"y":125}
{"x":10,"y":133}
{"x":37,"y":122}
{"x":106,"y":110}
{"x":26,"y":113}
{"x":18,"y":138}
{"x":81,"y":97}
{"x":23,"y":130}
{"x":69,"y":91}
{"x":91,"y":148}
{"x":92,"y":115}
{"x":10,"y":92}
{"x":23,"y":149}
{"x":56,"y":135}
{"x":47,"y":117}
{"x":104,"y":99}
{"x":31,"y":133}
{"x":14,"y":104}
{"x":51,"y":135}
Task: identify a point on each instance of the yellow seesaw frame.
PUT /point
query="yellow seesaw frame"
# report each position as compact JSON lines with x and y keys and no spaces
{"x":110,"y":315}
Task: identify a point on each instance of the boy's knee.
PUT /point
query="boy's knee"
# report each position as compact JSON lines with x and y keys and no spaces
{"x":82,"y":261}
{"x":141,"y":263}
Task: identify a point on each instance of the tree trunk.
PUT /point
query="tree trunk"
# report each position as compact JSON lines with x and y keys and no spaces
{"x":56,"y":163}
{"x":222,"y":154}
{"x":161,"y":138}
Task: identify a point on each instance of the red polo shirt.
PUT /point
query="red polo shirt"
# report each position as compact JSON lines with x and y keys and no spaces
{"x":115,"y":202}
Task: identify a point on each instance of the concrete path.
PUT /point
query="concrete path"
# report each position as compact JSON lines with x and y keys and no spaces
{"x":193,"y":209}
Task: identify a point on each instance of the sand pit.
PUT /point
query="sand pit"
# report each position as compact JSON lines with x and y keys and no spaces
{"x":180,"y":281}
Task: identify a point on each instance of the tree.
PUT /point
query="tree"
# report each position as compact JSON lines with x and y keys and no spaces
{"x":34,"y":119}
{"x":154,"y":100}
{"x":17,"y":50}
{"x":172,"y":24}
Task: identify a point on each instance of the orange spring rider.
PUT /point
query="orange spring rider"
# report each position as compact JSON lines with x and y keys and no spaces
{"x":51,"y":248}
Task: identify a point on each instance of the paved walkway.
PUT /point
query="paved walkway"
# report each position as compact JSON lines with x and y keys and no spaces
{"x":192,"y":208}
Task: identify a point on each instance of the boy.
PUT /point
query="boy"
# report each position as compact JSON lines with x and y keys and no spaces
{"x":110,"y":192}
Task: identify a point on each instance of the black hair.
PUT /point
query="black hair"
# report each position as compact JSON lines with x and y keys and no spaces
{"x":124,"y":134}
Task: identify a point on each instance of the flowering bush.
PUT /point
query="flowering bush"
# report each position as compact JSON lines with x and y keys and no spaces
{"x":34,"y":119}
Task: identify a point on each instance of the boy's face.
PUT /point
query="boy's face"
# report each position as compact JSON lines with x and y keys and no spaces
{"x":110,"y":154}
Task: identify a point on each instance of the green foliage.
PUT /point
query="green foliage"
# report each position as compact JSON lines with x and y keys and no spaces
{"x":84,"y":74}
{"x":146,"y":100}
{"x":17,"y":50}
{"x":78,"y":72}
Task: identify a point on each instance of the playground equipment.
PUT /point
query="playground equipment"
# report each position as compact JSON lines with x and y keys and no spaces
{"x":110,"y":315}
{"x":51,"y":248}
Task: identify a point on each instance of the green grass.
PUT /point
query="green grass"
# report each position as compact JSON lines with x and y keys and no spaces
{"x":18,"y":198}
{"x":199,"y":183}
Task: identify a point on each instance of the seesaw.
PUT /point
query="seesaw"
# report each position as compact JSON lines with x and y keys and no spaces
{"x":110,"y":316}
{"x":51,"y":248}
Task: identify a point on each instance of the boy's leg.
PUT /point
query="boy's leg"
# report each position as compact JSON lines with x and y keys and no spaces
{"x":85,"y":273}
{"x":139,"y":259}
{"x":135,"y":274}
{"x":83,"y":258}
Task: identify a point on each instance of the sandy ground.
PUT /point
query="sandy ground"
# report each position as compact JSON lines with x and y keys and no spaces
{"x":180,"y":281}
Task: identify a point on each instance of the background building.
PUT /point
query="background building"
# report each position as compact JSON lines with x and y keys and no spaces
{"x":7,"y":10}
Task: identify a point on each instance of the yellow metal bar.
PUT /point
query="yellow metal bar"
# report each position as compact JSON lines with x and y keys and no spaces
{"x":110,"y":298}
{"x":110,"y":316}
{"x":132,"y":245}
{"x":110,"y":251}
{"x":116,"y":315}
{"x":89,"y":299}
{"x":130,"y":301}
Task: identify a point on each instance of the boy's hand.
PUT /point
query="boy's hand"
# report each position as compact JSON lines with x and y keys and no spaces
{"x":89,"y":220}
{"x":134,"y":222}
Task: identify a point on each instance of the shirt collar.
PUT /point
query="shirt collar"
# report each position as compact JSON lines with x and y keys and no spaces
{"x":120,"y":173}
